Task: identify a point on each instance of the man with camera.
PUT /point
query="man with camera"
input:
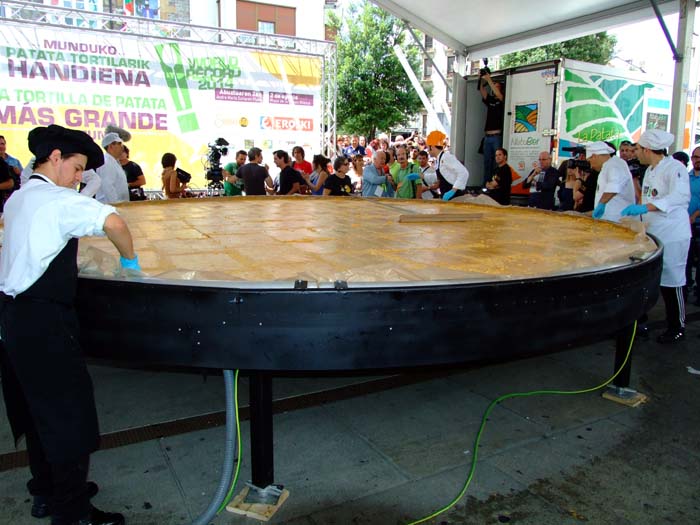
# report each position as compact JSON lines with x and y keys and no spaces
{"x":493,"y":128}
{"x":615,"y":190}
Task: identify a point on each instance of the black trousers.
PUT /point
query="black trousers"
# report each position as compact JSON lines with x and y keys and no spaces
{"x":49,"y":398}
{"x":693,"y":262}
{"x":675,"y":308}
{"x":62,"y":484}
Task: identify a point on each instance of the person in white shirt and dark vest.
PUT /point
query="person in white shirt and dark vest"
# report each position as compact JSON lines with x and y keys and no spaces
{"x":451,"y":174}
{"x":47,"y":389}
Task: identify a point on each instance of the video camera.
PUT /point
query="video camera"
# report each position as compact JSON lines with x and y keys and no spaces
{"x":580,"y":164}
{"x":576,"y":150}
{"x":485,"y":70}
{"x":183,"y":176}
{"x":217,"y":149}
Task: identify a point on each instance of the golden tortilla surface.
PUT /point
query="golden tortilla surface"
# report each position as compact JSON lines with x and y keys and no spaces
{"x":324,"y":239}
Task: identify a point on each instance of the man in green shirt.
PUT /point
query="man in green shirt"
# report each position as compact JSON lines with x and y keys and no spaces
{"x":232,"y":184}
{"x":407,"y":176}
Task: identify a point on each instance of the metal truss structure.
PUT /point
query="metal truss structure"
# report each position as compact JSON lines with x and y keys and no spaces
{"x":82,"y":20}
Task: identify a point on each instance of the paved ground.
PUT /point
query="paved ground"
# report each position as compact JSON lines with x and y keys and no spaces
{"x":396,"y":455}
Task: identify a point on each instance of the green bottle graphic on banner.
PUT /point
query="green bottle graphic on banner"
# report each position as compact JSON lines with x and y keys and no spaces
{"x":171,"y":64}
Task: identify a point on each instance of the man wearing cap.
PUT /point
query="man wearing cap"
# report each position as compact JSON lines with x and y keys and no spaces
{"x":451,"y":174}
{"x":664,"y":211}
{"x":114,"y":186}
{"x":47,"y":389}
{"x":615,"y":190}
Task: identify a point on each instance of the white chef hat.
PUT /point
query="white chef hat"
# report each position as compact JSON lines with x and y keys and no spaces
{"x":598,"y":148}
{"x":656,"y":139}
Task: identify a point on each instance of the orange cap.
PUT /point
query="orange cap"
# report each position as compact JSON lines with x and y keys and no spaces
{"x":435,"y":138}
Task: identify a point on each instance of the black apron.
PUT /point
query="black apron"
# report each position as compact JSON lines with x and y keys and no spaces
{"x":45,"y":380}
{"x":445,"y":186}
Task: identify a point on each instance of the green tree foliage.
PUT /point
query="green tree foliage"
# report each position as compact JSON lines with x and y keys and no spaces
{"x":374,"y":92}
{"x":598,"y":49}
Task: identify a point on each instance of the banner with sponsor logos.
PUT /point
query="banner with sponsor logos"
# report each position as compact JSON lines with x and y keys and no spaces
{"x":174,"y":97}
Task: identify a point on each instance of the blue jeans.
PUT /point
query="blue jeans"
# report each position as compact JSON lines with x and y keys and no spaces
{"x":491,"y":144}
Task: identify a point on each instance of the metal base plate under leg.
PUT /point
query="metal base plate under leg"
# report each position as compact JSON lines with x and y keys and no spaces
{"x":258,"y":503}
{"x":625,"y":396}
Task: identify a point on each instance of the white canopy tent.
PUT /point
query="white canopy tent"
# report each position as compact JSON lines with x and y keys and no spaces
{"x":476,"y":29}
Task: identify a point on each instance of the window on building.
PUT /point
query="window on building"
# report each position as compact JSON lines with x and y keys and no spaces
{"x":265,"y":18}
{"x":424,"y":124}
{"x":266,"y":27}
{"x":448,"y":97}
{"x":428,"y":42}
{"x":450,"y":65}
{"x":427,"y":68}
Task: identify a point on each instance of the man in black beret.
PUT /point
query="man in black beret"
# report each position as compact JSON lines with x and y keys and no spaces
{"x":47,"y":389}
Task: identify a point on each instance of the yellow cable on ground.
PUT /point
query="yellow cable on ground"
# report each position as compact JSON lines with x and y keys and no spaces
{"x":229,"y":495}
{"x":493,"y":404}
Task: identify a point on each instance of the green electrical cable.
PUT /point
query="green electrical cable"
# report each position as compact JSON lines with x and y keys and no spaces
{"x":493,"y":404}
{"x":229,"y":495}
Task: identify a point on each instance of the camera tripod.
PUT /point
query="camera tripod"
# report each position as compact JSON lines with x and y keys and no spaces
{"x":215,"y":189}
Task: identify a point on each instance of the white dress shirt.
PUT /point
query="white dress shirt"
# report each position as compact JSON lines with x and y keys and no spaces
{"x":113,"y":187}
{"x":453,"y":170}
{"x":40,"y":218}
{"x":615,"y":177}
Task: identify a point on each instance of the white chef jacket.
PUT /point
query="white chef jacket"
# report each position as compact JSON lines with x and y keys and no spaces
{"x":615,"y":177}
{"x":666,"y":186}
{"x":114,"y":187}
{"x":40,"y":218}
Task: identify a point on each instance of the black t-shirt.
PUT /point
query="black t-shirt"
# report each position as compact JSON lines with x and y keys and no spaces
{"x":6,"y":174}
{"x":288,"y":176}
{"x":339,"y":187}
{"x":253,"y":176}
{"x":505,"y":178}
{"x":494,"y":113}
{"x":133,"y":171}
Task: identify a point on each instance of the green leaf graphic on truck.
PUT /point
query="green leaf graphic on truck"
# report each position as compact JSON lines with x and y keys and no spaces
{"x":599,"y":107}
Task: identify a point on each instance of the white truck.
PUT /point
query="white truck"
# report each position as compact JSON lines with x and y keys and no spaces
{"x":563,"y":103}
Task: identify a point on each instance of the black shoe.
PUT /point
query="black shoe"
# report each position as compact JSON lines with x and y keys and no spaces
{"x":40,"y":504}
{"x":643,"y":332}
{"x":671,"y":337}
{"x":96,"y":517}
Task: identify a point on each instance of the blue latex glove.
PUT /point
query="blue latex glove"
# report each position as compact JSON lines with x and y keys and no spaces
{"x":412,"y":176}
{"x":634,"y":209}
{"x":130,"y":264}
{"x":447,"y":196}
{"x":599,"y":210}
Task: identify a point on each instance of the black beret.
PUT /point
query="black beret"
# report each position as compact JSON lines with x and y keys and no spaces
{"x":42,"y":141}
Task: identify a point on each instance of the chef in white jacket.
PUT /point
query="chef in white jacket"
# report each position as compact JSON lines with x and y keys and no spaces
{"x":664,"y":211}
